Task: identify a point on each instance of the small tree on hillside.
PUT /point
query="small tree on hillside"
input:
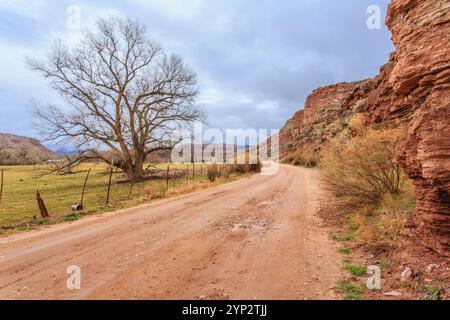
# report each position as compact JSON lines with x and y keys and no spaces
{"x":5,"y":155}
{"x":23,"y":155}
{"x":123,"y":93}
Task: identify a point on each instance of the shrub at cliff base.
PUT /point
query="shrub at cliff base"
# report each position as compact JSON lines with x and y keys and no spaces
{"x":307,"y":159}
{"x":380,"y":227}
{"x":359,"y":168}
{"x":360,"y":164}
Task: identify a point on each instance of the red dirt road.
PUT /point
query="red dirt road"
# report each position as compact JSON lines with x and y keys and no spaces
{"x":257,"y":238}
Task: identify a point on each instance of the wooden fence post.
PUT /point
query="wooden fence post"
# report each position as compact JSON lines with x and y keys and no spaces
{"x":167,"y":178}
{"x":131,"y":188}
{"x":174,"y":180}
{"x":109,"y":183}
{"x":1,"y":185}
{"x":201,"y":172}
{"x":193,"y":172}
{"x":84,"y":189}
{"x":42,"y":209}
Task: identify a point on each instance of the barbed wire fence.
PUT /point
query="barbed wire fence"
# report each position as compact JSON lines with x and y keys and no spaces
{"x":94,"y":190}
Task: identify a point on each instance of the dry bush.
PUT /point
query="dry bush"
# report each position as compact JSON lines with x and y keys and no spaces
{"x":256,"y":167}
{"x":245,"y":168}
{"x":360,"y":163}
{"x":213,"y":172}
{"x":242,"y":164}
{"x":373,"y":192}
{"x":227,"y":170}
{"x":246,"y":162}
{"x":241,"y":168}
{"x":307,"y":159}
{"x":357,"y":124}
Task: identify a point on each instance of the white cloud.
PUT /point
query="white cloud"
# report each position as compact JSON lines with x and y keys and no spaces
{"x":31,"y":9}
{"x":187,"y":9}
{"x":256,"y":60}
{"x":268,"y":106}
{"x":211,"y":95}
{"x":88,"y":16}
{"x":14,"y":70}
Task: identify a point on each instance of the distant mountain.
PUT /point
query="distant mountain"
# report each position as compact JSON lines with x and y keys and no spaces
{"x":16,"y":149}
{"x":63,"y":150}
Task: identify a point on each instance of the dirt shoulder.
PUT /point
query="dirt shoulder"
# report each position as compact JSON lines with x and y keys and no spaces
{"x":258,"y":238}
{"x":407,"y":270}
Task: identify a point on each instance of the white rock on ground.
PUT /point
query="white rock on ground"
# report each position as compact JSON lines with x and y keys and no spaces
{"x":406,"y":274}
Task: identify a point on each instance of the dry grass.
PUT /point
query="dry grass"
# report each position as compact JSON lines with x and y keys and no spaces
{"x":156,"y":189}
{"x":18,"y":206}
{"x":380,"y":226}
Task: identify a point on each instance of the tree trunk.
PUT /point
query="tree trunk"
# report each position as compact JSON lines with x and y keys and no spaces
{"x":139,"y":173}
{"x":135,"y":172}
{"x":139,"y":165}
{"x":130,"y":172}
{"x":134,"y":168}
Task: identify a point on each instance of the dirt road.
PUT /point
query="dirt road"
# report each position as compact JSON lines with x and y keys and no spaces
{"x":257,"y":238}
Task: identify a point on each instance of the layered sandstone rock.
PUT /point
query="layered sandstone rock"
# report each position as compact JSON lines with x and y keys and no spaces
{"x":324,"y":104}
{"x":319,"y":120}
{"x":414,"y":88}
{"x":292,"y":128}
{"x":421,"y":75}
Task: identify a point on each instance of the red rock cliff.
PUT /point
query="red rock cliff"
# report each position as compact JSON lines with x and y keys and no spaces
{"x":421,"y":76}
{"x":413,"y":87}
{"x":318,"y":121}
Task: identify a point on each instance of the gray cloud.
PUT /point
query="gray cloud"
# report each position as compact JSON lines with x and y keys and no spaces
{"x":256,"y":60}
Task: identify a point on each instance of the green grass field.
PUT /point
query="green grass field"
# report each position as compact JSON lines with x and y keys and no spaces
{"x":60,"y":192}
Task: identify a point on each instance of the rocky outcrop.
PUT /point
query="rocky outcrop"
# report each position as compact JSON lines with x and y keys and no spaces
{"x":421,"y":76}
{"x":292,"y":128}
{"x":414,"y":88}
{"x":325,"y":104}
{"x":323,"y":117}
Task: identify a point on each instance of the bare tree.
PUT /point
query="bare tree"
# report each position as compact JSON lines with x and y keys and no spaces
{"x":5,"y":155}
{"x":123,"y":93}
{"x":23,"y":154}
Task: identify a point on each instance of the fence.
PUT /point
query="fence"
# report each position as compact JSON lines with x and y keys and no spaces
{"x":91,"y":185}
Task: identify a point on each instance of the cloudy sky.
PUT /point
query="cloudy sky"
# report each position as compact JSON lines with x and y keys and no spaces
{"x":256,"y":60}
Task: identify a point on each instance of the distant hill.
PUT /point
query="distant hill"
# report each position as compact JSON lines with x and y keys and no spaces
{"x":16,"y":149}
{"x":210,"y":151}
{"x":62,"y":150}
